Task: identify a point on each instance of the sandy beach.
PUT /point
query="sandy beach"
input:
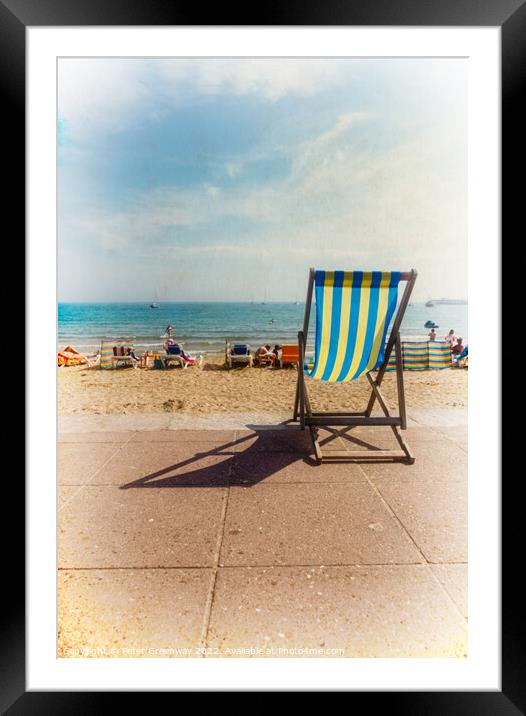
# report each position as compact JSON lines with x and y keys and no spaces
{"x":211,"y":388}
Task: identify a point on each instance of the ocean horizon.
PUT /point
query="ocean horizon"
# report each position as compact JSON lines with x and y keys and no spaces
{"x":204,"y":326}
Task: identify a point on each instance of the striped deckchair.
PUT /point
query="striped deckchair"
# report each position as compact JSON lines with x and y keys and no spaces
{"x":107,"y":357}
{"x":353,"y":313}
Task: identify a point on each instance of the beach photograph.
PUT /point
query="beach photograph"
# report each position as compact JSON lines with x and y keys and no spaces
{"x":262,"y":358}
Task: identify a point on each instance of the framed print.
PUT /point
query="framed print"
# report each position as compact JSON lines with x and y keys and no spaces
{"x":260,"y":253}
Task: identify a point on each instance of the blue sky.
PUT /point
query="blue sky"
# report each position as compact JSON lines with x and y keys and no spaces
{"x":224,"y":179}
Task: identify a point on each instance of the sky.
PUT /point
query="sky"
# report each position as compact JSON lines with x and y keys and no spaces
{"x":226,"y":179}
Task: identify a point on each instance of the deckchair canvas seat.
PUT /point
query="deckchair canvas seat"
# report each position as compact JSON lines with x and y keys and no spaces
{"x":353,"y":312}
{"x":237,"y":353}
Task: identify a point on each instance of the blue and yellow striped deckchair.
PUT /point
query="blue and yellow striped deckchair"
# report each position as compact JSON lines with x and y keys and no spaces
{"x":353,"y":312}
{"x":107,"y":357}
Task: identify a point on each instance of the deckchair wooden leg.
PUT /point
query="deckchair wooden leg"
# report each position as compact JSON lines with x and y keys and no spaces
{"x":315,"y":444}
{"x":400,"y":381}
{"x":405,"y":447}
{"x":301,"y":381}
{"x":296,"y":398}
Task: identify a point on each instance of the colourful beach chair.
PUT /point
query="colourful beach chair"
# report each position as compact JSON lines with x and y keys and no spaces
{"x":289,"y":355}
{"x":114,"y":352}
{"x":353,"y":313}
{"x":237,"y":353}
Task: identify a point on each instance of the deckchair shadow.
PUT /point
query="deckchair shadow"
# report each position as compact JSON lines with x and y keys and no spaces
{"x":255,"y":457}
{"x":353,"y":313}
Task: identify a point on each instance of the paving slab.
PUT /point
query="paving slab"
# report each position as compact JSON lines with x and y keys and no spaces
{"x":156,"y":613}
{"x":104,"y":526}
{"x":384,"y":436}
{"x":454,"y":578}
{"x":441,"y":461}
{"x":286,"y":439}
{"x":433,"y":512}
{"x":65,"y":494}
{"x":278,"y":467}
{"x":113,"y":436}
{"x":185,"y":437}
{"x":78,"y":462}
{"x":458,"y":434}
{"x":166,"y":464}
{"x":312,"y":524}
{"x":231,"y":420}
{"x":368,"y":611}
{"x":439,"y":417}
{"x":113,"y":422}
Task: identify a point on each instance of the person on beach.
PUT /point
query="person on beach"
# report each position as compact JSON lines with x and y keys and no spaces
{"x":432,"y":335}
{"x":277,"y":354}
{"x":191,"y":360}
{"x":130,"y":352}
{"x":169,"y":330}
{"x":264,"y":352}
{"x":450,"y":338}
{"x":457,"y":349}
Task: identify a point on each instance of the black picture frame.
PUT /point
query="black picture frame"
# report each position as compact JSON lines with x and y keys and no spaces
{"x":15,"y":17}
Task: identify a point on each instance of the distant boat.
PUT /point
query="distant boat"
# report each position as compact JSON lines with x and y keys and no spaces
{"x":155,"y":302}
{"x":447,"y":302}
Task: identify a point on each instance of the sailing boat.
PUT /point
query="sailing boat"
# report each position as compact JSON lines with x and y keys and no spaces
{"x":155,"y":304}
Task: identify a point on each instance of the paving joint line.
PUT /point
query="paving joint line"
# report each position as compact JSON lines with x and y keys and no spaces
{"x":81,"y":487}
{"x":255,"y":566}
{"x":203,"y":641}
{"x":427,"y":563}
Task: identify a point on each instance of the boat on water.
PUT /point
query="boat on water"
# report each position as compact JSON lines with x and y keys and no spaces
{"x":447,"y":302}
{"x":154,"y":305}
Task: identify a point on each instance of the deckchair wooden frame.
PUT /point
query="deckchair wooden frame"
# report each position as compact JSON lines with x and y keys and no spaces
{"x":314,"y":420}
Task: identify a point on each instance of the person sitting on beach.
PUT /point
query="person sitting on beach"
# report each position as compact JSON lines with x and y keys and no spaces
{"x":191,"y":360}
{"x":450,"y":338}
{"x":432,"y":335}
{"x":264,"y":354}
{"x":458,"y":348}
{"x":130,"y":352}
{"x":277,"y":353}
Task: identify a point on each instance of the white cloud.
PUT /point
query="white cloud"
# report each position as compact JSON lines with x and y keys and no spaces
{"x":345,"y":200}
{"x":401,"y":208}
{"x":110,"y":95}
{"x":270,"y":79}
{"x":97,"y":95}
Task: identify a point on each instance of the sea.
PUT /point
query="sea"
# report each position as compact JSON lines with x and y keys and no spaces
{"x":204,"y":327}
